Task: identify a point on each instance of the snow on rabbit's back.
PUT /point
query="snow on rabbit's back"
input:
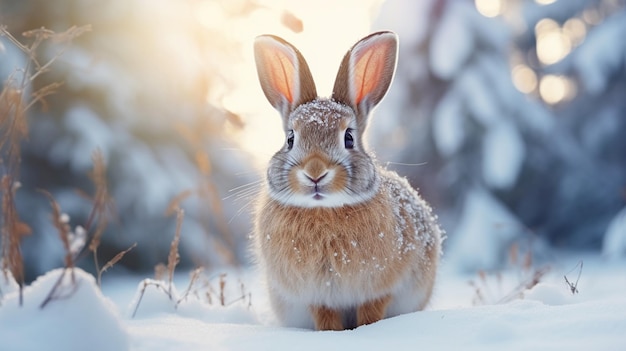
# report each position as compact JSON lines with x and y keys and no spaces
{"x":343,"y":241}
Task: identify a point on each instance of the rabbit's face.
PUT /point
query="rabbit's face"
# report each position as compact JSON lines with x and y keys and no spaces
{"x":322,"y":163}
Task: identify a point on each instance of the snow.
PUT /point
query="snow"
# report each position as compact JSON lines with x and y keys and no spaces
{"x":547,"y":316}
{"x":322,"y":112}
{"x":79,"y":319}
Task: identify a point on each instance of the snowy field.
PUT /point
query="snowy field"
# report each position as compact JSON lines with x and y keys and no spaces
{"x":546,"y":317}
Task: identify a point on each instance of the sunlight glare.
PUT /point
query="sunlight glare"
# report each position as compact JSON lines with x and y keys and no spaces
{"x":209,"y":14}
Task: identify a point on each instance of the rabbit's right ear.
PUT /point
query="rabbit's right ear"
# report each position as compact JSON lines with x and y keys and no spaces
{"x":366,"y":73}
{"x":284,"y":74}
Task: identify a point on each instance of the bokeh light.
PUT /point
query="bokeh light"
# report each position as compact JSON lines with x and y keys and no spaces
{"x":545,"y":2}
{"x":555,"y":89}
{"x":489,"y":8}
{"x":524,"y":78}
{"x":552,"y":43}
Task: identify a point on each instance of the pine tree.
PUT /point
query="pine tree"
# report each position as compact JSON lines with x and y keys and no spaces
{"x":500,"y":165}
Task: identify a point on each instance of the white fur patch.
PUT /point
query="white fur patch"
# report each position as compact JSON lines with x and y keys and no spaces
{"x":322,"y":200}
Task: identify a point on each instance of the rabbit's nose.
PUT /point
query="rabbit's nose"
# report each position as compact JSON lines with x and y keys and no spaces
{"x":315,"y":168}
{"x":318,"y":179}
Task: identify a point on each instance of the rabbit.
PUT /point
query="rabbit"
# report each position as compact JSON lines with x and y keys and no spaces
{"x":342,"y":241}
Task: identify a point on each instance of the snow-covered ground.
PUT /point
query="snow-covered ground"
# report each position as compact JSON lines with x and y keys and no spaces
{"x":546,"y":317}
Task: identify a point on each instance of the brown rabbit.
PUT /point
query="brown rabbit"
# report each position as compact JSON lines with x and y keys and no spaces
{"x":343,"y":241}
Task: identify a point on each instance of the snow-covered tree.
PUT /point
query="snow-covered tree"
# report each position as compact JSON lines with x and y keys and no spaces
{"x":144,"y":87}
{"x":500,"y":165}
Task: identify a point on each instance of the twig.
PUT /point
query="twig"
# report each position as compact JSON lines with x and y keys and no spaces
{"x":573,"y":287}
{"x":222,"y":288}
{"x":52,"y":294}
{"x":525,"y":285}
{"x":146,"y":283}
{"x":195,"y":274}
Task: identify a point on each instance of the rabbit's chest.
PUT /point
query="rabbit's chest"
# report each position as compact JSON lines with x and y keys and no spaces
{"x":334,"y":253}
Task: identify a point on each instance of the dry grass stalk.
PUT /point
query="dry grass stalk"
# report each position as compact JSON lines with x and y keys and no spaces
{"x":159,"y":271}
{"x":173,"y":258}
{"x":206,"y":190}
{"x":58,"y":291}
{"x":176,"y":202}
{"x":529,"y":276}
{"x":61,"y":223}
{"x":14,"y":129}
{"x":222,"y":293}
{"x":113,"y":261}
{"x":14,"y":126}
{"x":525,"y":284}
{"x":194,"y":276}
{"x":199,"y":286}
{"x":222,"y":289}
{"x":40,"y":35}
{"x":14,"y":105}
{"x":63,"y":228}
{"x":102,"y":209}
{"x":145,"y":285}
{"x":12,"y":232}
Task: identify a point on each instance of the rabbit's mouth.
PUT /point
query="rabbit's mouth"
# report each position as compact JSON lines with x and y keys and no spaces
{"x":317,"y":192}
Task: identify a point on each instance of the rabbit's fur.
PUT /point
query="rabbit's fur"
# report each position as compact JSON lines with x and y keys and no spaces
{"x":343,"y":241}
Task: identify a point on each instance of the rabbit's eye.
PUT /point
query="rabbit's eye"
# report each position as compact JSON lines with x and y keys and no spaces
{"x":290,"y":140}
{"x":348,"y":139}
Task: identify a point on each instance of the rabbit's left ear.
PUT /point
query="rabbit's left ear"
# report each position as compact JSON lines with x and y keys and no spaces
{"x":284,"y":74}
{"x":366,"y":72}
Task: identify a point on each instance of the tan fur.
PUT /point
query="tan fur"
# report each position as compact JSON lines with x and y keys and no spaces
{"x":372,"y":311}
{"x":339,"y":181}
{"x":314,"y":166}
{"x":326,"y":318}
{"x":297,"y":243}
{"x":350,"y":248}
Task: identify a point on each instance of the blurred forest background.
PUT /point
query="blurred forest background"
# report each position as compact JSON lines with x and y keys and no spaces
{"x":508,"y":115}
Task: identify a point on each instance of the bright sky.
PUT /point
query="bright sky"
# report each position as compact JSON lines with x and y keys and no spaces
{"x":330,"y":29}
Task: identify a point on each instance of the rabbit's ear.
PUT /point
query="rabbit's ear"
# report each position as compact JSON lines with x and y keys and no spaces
{"x":366,"y":72}
{"x":284,"y":74}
